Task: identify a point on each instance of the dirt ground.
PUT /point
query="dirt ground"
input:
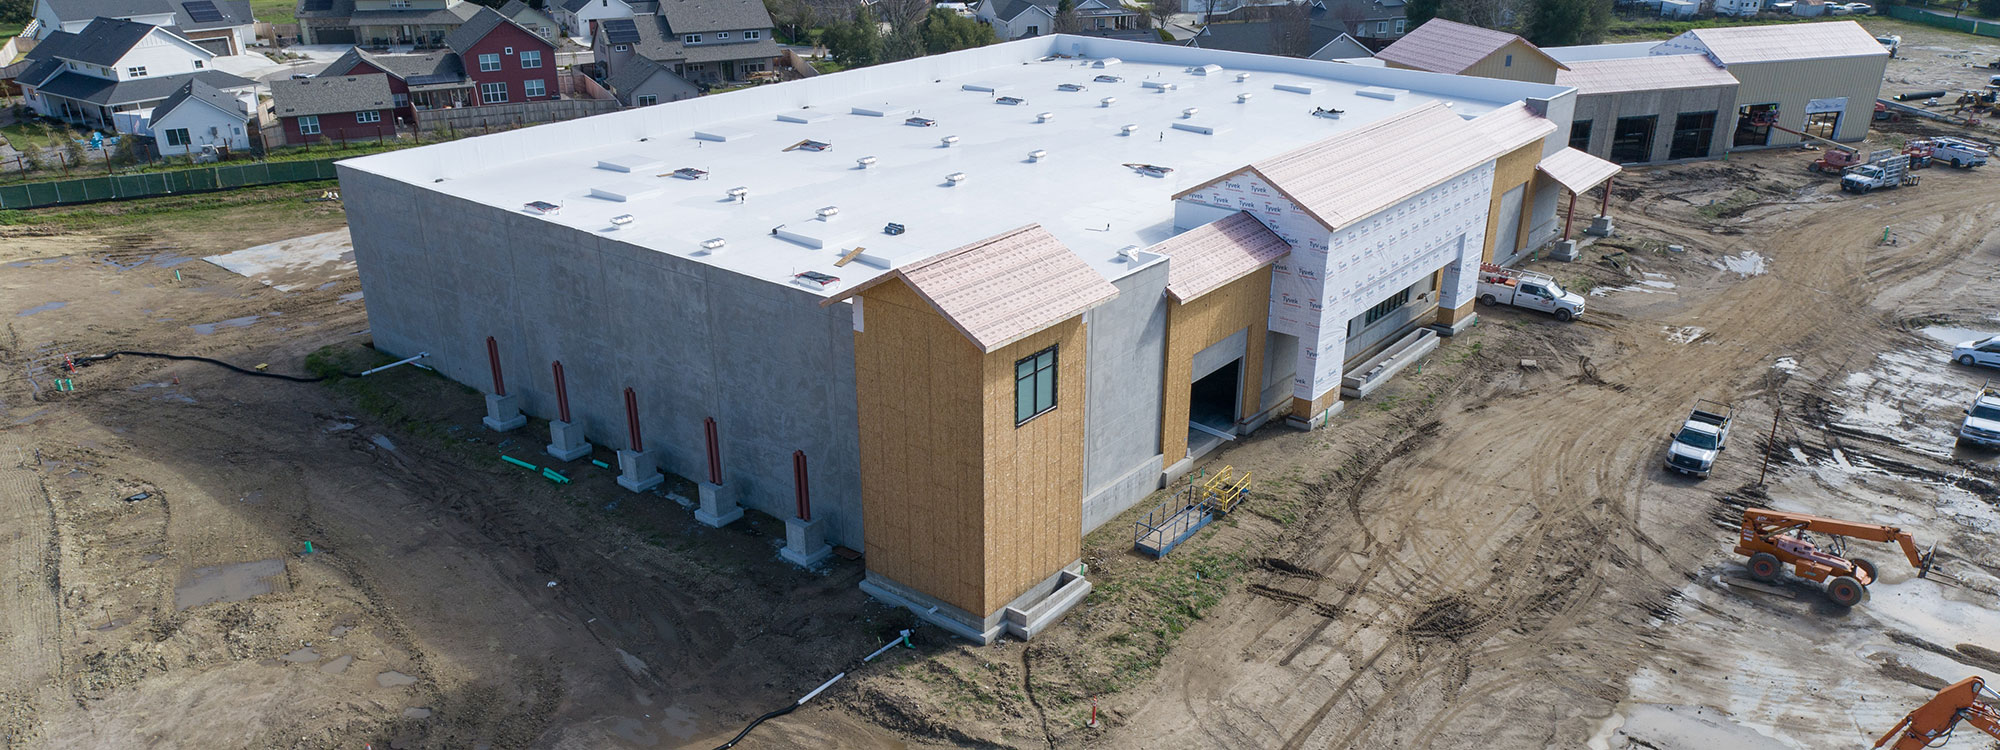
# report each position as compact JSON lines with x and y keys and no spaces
{"x":1484,"y":554}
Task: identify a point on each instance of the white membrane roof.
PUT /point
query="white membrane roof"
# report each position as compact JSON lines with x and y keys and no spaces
{"x":1081,"y":191}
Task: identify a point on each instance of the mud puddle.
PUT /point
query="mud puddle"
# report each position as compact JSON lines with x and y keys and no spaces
{"x":227,"y":583}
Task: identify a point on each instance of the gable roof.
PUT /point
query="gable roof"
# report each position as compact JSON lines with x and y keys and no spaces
{"x":477,"y":27}
{"x":515,"y":9}
{"x":1513,"y":126}
{"x":1655,"y":73}
{"x":106,"y":40}
{"x":1002,"y":289}
{"x":633,"y":73}
{"x":233,"y":13}
{"x":1205,"y":258}
{"x":1254,"y":36}
{"x":197,"y":92}
{"x":1442,"y":46}
{"x":324,"y":96}
{"x":577,"y":5}
{"x":108,"y":93}
{"x":697,"y":16}
{"x":1322,"y":180}
{"x":412,"y":69}
{"x":77,"y":10}
{"x":1008,"y":10}
{"x":660,"y":44}
{"x":1787,"y":41}
{"x":1343,"y":47}
{"x":452,"y":15}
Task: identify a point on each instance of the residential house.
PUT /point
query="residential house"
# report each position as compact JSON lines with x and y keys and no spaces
{"x":113,"y":72}
{"x":642,"y":83}
{"x":199,"y":115}
{"x":380,"y":23}
{"x":419,"y":81}
{"x":1442,"y":46}
{"x":577,"y":16}
{"x":705,"y":42}
{"x":1014,"y":19}
{"x":224,"y":27}
{"x":507,"y":62}
{"x":1377,"y":20}
{"x":340,"y":108}
{"x":531,"y":19}
{"x":1343,"y":47}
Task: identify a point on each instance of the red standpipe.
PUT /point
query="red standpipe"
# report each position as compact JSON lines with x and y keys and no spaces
{"x":799,"y":479}
{"x":632,"y":419}
{"x":714,"y":451}
{"x":562,"y":393}
{"x":493,"y":356}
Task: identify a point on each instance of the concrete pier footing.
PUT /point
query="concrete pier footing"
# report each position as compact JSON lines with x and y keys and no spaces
{"x":1600,"y":227}
{"x":503,"y":413}
{"x":715,"y":510}
{"x":566,"y":441}
{"x":805,"y":542}
{"x":638,"y":471}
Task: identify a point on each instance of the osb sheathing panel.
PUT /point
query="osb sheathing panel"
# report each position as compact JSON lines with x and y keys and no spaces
{"x":1034,"y":471}
{"x":919,"y":385}
{"x":1199,"y":324}
{"x":1512,"y":170}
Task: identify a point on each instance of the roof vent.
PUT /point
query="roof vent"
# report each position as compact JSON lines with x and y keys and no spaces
{"x":1162,"y":86}
{"x":827,"y":213}
{"x":690,"y":173}
{"x":1243,"y":97}
{"x":622,"y":220}
{"x":1205,"y":70}
{"x":865,"y":161}
{"x":739,"y":193}
{"x":543,"y":208}
{"x":1189,"y":112}
{"x":1010,"y":100}
{"x":713,"y":244}
{"x":1108,"y":62}
{"x":1241,"y":77}
{"x":1107,"y":79}
{"x":1045,"y":117}
{"x":1296,"y":88}
{"x":947,"y":141}
{"x":1129,"y":129}
{"x":920,"y":122}
{"x":1038,"y":154}
{"x":1129,"y":253}
{"x":1108,"y":101}
{"x":1069,"y":87}
{"x":955,"y":177}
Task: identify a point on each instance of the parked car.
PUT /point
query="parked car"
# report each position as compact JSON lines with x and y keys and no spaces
{"x":1860,"y":9}
{"x":1701,"y":436}
{"x":1982,"y":419}
{"x":1984,"y":351}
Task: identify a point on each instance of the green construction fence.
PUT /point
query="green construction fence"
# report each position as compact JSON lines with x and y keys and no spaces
{"x":1978,"y":26}
{"x":154,"y":184}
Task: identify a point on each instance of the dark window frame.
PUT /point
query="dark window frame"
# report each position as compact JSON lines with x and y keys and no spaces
{"x":1029,"y":390}
{"x":1645,"y":148}
{"x":1382,"y":309}
{"x":1692,"y":139}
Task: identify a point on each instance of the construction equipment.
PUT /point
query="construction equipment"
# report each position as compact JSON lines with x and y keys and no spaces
{"x":1183,"y":513}
{"x":1931,"y":724}
{"x":1773,"y":539}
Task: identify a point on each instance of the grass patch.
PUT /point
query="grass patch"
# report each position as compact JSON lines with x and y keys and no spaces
{"x":9,"y":30}
{"x":1737,"y":201}
{"x":275,"y":205}
{"x":1642,"y":28}
{"x":37,"y":134}
{"x":1168,"y":596}
{"x":1581,"y":284}
{"x":274,"y":11}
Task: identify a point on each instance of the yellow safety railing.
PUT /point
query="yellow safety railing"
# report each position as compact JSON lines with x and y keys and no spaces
{"x":1225,"y":489}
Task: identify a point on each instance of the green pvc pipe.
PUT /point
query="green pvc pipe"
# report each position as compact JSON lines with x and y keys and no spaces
{"x":600,"y":464}
{"x":519,"y":462}
{"x":553,"y":476}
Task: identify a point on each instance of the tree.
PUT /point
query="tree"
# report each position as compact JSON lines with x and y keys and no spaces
{"x":1416,"y":12}
{"x":1484,"y":13}
{"x":1068,"y":21}
{"x":16,"y":11}
{"x":1351,"y":18}
{"x":1161,"y":11}
{"x":1989,"y":8}
{"x":945,"y":31}
{"x":1291,"y":30}
{"x":1563,"y":23}
{"x":855,"y":42}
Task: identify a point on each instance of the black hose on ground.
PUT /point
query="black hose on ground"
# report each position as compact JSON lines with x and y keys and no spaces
{"x":753,"y":725}
{"x":901,"y":638}
{"x":191,"y":358}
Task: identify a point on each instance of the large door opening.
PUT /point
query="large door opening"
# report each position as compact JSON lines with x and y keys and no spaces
{"x":1692,"y":133}
{"x":1212,"y":408}
{"x":1632,"y":141}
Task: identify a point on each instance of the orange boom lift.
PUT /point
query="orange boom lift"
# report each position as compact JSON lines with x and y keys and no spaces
{"x":1968,"y":700}
{"x":1773,"y":539}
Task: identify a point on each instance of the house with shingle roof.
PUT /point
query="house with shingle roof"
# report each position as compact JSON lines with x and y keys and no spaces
{"x":340,"y":108}
{"x":705,"y":42}
{"x":224,"y":27}
{"x":579,"y":18}
{"x":490,"y":59}
{"x":1014,"y":19}
{"x":380,"y":23}
{"x":199,"y":115}
{"x":113,"y":72}
{"x":541,"y":23}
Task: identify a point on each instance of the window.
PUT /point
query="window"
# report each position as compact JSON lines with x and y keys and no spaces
{"x":1034,"y":30}
{"x":1753,"y":125}
{"x":647,"y":100}
{"x":531,"y":59}
{"x":1632,"y":139}
{"x":1509,"y":63}
{"x":621,"y":47}
{"x":137,"y":71}
{"x":1579,"y":135}
{"x":691,"y":39}
{"x":178,"y":137}
{"x":534,"y":88}
{"x":373,"y":115}
{"x":489,"y":63}
{"x":1382,"y":309}
{"x":1692,"y":133}
{"x":1401,"y":25}
{"x":1381,"y":28}
{"x":492,"y":93}
{"x":309,"y":125}
{"x":1034,"y":385}
{"x":1822,"y":124}
{"x":399,"y":4}
{"x":721,"y":35}
{"x":402,"y":100}
{"x":197,"y":65}
{"x":751,"y":36}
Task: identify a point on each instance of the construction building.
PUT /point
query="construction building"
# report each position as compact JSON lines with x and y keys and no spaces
{"x":957,"y":311}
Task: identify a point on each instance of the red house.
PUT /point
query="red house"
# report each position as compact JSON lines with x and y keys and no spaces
{"x":340,"y":108}
{"x":505,"y":61}
{"x":432,"y":80}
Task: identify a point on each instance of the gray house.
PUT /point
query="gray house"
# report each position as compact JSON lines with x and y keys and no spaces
{"x":705,"y":42}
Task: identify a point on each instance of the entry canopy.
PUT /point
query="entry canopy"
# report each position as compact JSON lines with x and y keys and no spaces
{"x":1576,"y":170}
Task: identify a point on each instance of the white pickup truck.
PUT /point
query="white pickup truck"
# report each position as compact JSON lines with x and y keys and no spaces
{"x":1982,"y":419}
{"x":1702,"y":436}
{"x":1958,"y":152}
{"x":1535,"y":291}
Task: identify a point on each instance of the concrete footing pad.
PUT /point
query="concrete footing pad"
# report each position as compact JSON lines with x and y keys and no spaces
{"x":716,"y":510}
{"x":1454,"y":329}
{"x":639,"y":472}
{"x":503,"y":413}
{"x":805,"y":542}
{"x":566,"y":441}
{"x":1600,"y":227}
{"x":1318,"y":420}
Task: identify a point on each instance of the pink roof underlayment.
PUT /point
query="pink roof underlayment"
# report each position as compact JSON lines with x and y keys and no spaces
{"x":1442,"y":46}
{"x":1652,"y":73}
{"x":1205,"y":258}
{"x":1576,"y":170}
{"x":1778,"y":42}
{"x":1001,"y":289}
